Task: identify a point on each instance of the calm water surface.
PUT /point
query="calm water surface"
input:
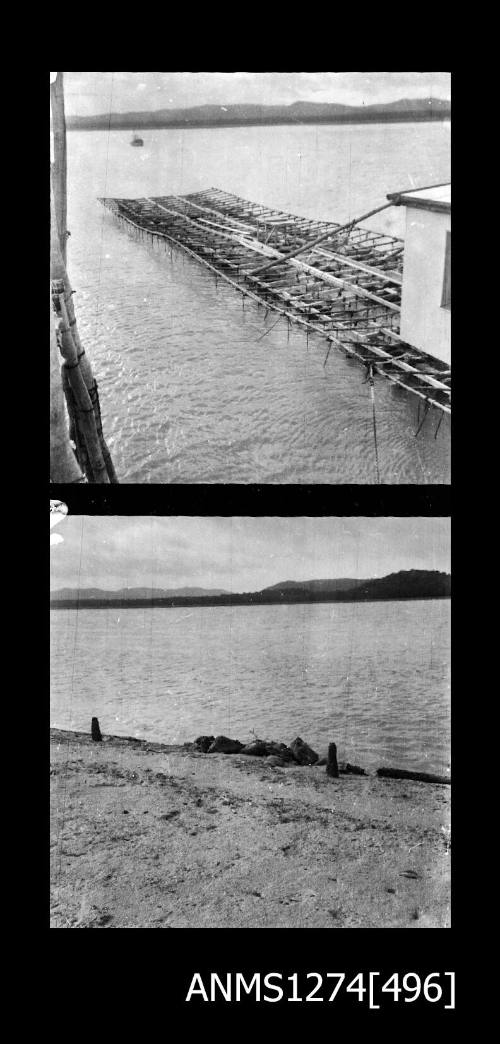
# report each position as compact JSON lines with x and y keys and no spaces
{"x":190,"y":389}
{"x":373,"y":677}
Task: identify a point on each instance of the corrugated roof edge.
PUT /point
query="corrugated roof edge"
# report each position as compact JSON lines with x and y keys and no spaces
{"x":405,"y":199}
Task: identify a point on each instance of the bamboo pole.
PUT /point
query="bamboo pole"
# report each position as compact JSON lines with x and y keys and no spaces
{"x":268,"y":251}
{"x":326,"y":235}
{"x":75,"y":429}
{"x":63,"y":463}
{"x":349,"y":345}
{"x":59,"y":273}
{"x":59,"y":169}
{"x":78,"y":357}
{"x":83,"y":405}
{"x":68,"y":344}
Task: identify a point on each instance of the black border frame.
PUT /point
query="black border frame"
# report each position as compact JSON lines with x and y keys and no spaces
{"x":269,"y":949}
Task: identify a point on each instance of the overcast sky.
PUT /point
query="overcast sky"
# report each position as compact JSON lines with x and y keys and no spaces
{"x":89,"y":93}
{"x":240,"y":554}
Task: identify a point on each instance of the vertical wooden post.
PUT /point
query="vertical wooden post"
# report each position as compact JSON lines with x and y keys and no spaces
{"x":96,"y":732}
{"x":59,"y":166}
{"x":332,"y":768}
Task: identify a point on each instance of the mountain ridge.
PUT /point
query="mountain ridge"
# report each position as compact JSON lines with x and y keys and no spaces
{"x":240,"y":114}
{"x":138,"y":592}
{"x":405,"y":584}
{"x":339,"y":584}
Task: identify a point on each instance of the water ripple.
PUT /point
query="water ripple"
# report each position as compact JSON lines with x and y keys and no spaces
{"x":373,"y":678}
{"x":173,"y":353}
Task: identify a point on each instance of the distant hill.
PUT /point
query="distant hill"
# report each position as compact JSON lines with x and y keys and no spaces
{"x":239,"y":115}
{"x":132,"y":593}
{"x":412,"y":583}
{"x":316,"y":585}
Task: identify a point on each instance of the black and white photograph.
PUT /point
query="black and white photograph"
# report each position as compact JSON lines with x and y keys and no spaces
{"x":250,"y":710}
{"x":250,"y":721}
{"x":250,"y":277}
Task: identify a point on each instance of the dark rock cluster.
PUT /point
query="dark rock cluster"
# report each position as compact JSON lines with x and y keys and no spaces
{"x":278,"y":755}
{"x":268,"y":748}
{"x":203,"y":743}
{"x":302,"y":753}
{"x":223,"y":745}
{"x":298,"y":753}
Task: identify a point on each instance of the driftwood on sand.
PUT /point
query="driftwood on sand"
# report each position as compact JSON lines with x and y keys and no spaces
{"x":422,"y":777}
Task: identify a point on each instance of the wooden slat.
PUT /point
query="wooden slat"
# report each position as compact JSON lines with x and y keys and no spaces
{"x":302,"y":292}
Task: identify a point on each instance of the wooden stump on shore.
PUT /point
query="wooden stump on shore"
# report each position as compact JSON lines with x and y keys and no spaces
{"x":96,"y":732}
{"x":332,"y":768}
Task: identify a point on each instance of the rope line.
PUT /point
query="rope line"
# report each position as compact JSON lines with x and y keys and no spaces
{"x":270,"y":328}
{"x":438,"y":425}
{"x":426,"y":410}
{"x":371,"y":383}
{"x":96,"y":316}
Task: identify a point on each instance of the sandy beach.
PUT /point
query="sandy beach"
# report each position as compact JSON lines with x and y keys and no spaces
{"x":144,"y":835}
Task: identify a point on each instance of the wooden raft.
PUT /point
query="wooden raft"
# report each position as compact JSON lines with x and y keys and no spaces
{"x":346,"y":288}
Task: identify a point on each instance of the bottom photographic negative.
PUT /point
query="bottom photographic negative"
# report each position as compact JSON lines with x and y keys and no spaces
{"x":250,"y":722}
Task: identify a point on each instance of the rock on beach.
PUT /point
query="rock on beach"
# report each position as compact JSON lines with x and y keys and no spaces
{"x":274,"y":761}
{"x":224,"y":745}
{"x":268,"y":748}
{"x":303,"y":753}
{"x":202,"y":743}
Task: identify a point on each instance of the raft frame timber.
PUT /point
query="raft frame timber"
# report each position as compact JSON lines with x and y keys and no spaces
{"x":351,"y":286}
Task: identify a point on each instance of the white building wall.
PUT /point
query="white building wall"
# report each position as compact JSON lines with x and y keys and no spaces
{"x":424,"y":323}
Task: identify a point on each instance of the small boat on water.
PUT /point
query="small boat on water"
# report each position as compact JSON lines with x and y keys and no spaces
{"x":136,"y":140}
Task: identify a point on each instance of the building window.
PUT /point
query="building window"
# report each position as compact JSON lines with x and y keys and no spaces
{"x":446,"y":297}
